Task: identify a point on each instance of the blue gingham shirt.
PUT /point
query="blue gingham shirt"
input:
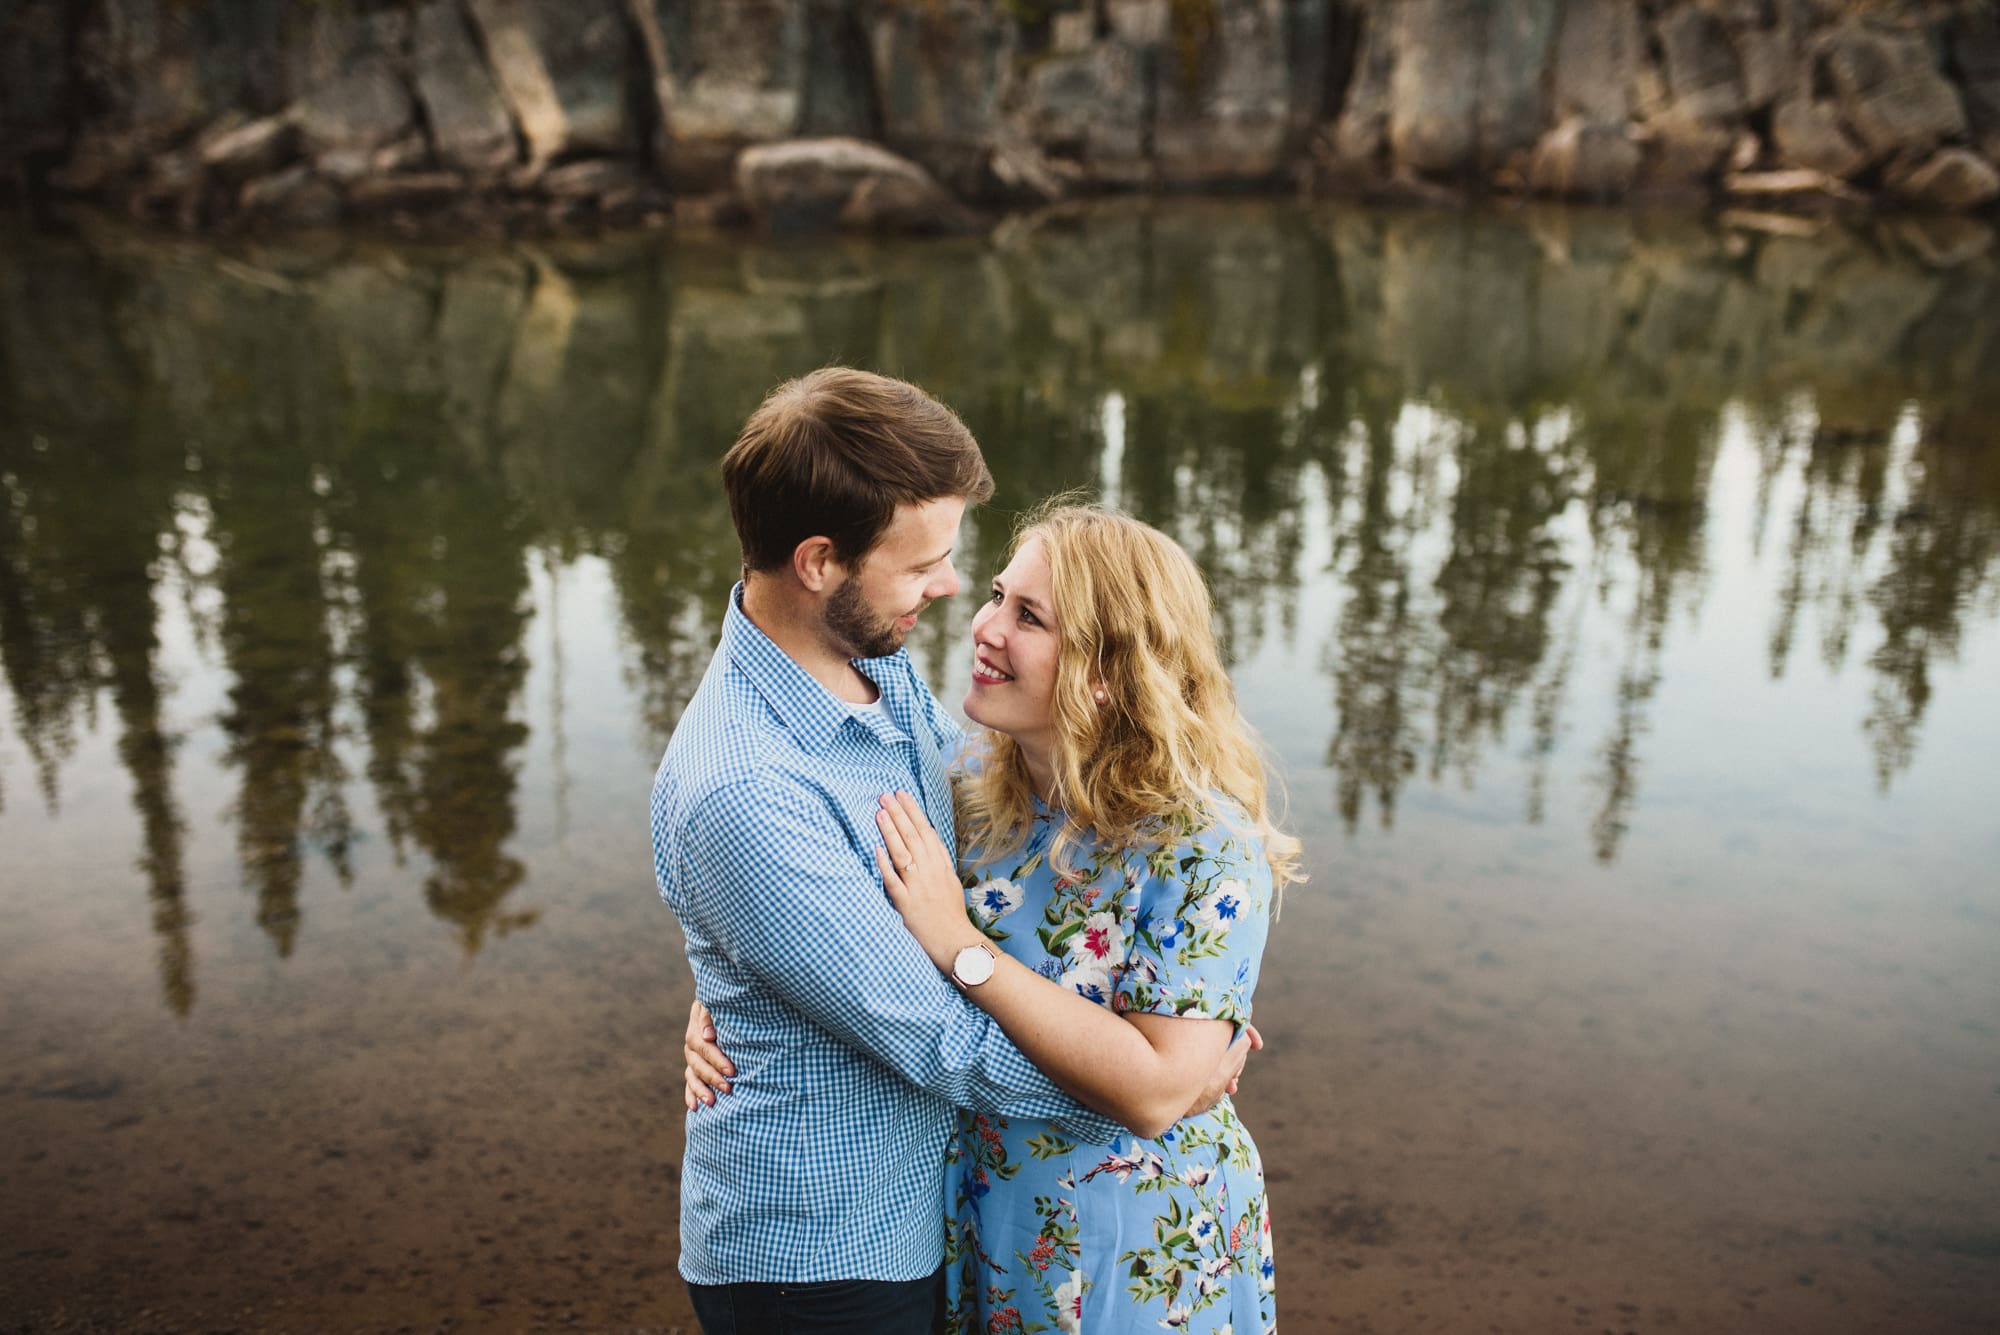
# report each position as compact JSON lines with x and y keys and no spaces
{"x":851,"y":1050}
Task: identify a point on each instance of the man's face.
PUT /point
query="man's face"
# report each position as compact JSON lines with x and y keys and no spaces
{"x":874,"y":606}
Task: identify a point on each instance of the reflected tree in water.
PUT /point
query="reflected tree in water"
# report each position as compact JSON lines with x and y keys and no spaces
{"x":1940,"y":557}
{"x":277,"y":642}
{"x":1499,"y":586}
{"x":1375,"y":741}
{"x":1509,"y":428}
{"x":86,"y":525}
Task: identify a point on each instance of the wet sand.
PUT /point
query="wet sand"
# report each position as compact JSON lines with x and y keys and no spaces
{"x":1472,"y":1121}
{"x":1530,"y":1108}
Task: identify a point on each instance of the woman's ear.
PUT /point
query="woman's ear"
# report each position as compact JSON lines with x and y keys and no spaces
{"x":812,"y":563}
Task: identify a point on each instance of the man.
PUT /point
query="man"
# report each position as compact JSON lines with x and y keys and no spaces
{"x":812,"y":1197}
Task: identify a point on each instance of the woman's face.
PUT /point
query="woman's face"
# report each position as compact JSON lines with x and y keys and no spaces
{"x":1014,"y":649}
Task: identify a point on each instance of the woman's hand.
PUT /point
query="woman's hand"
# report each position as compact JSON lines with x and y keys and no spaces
{"x":1229,"y":1074}
{"x":921,"y":876}
{"x":708,"y":1071}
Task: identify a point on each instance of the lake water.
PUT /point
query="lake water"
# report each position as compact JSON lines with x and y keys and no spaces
{"x":1620,"y":595}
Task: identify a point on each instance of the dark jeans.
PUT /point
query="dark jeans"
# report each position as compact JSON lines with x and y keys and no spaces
{"x":837,"y":1307}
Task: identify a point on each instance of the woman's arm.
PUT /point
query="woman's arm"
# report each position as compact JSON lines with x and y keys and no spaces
{"x":1147,"y":1071}
{"x":709,"y":1071}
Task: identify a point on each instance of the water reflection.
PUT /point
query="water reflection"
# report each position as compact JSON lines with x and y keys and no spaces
{"x":346,"y":465}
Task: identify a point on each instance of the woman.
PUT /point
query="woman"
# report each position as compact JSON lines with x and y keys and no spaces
{"x":1120,"y":864}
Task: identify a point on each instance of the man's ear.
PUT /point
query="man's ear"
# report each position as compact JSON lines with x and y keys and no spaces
{"x":813,"y":563}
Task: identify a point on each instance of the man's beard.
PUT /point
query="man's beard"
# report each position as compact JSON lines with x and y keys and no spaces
{"x":857,"y":626}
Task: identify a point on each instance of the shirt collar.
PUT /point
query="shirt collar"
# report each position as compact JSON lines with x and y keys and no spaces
{"x":809,"y":711}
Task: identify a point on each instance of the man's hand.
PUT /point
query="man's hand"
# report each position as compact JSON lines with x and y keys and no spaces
{"x":1229,"y":1073}
{"x":708,"y":1071}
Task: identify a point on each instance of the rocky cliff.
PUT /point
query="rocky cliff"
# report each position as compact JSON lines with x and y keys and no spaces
{"x":202,"y":112}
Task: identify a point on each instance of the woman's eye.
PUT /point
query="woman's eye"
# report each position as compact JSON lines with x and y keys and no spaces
{"x":1029,"y":617}
{"x":994,"y":597}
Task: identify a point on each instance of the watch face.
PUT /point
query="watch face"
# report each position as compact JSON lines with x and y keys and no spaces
{"x":973,"y":966}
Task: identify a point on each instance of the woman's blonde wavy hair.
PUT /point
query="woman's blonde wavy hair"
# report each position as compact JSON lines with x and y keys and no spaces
{"x":1132,"y":616}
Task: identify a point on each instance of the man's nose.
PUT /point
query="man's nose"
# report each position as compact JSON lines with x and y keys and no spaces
{"x":945,"y":584}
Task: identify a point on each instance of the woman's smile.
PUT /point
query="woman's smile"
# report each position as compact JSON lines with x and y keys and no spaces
{"x":985,"y":674}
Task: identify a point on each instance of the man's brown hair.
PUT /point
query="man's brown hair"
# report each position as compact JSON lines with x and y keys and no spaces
{"x":833,"y":454}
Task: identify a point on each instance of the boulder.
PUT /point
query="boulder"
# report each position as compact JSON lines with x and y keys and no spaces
{"x":721,"y":209}
{"x":1512,"y":108}
{"x":1584,"y":160}
{"x":1683,"y":151}
{"x":1434,"y":87}
{"x":407,"y":190}
{"x":1953,"y":179}
{"x":352,"y":98}
{"x":1889,"y":91}
{"x":172,"y":189}
{"x":839,"y":93}
{"x":239,"y":149}
{"x":728,"y":73}
{"x":411,"y":153}
{"x":585,"y":46}
{"x":903,"y":202}
{"x":1352,"y":151}
{"x":1466,"y":92}
{"x":819,"y":184}
{"x":1973,"y":36}
{"x":522,"y":77}
{"x":361,"y":110}
{"x":1435,"y":82}
{"x":1799,"y":184}
{"x":293,"y":196}
{"x":1808,"y":134}
{"x":1024,"y":173}
{"x":1597,"y":51}
{"x":1703,"y":73}
{"x":1091,"y":109}
{"x":939,"y":72}
{"x":1771,"y":66}
{"x":145,"y":72}
{"x":592,"y":178}
{"x":563,"y":72}
{"x":468,"y":121}
{"x":1141,"y":22}
{"x":737,"y":68}
{"x":1223,"y":107}
{"x":1746,"y":153}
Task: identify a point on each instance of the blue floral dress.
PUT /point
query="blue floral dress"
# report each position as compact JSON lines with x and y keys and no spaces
{"x":1049,"y":1234}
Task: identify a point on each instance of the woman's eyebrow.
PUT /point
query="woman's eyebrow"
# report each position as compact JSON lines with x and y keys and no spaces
{"x":1031,"y":604}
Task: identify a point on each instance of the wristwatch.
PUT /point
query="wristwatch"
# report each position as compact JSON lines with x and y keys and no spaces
{"x":972,"y":965}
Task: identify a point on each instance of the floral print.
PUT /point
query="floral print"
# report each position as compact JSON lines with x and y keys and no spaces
{"x":1047,"y":1233}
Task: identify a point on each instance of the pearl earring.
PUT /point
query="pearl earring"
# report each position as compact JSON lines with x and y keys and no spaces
{"x":1102,"y":697}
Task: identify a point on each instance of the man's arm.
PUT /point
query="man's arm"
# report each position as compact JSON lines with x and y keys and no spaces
{"x":778,"y":887}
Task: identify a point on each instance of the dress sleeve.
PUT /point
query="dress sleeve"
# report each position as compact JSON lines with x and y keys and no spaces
{"x":1197,"y":933}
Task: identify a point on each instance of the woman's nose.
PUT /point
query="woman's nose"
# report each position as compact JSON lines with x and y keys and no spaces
{"x":982,"y":625}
